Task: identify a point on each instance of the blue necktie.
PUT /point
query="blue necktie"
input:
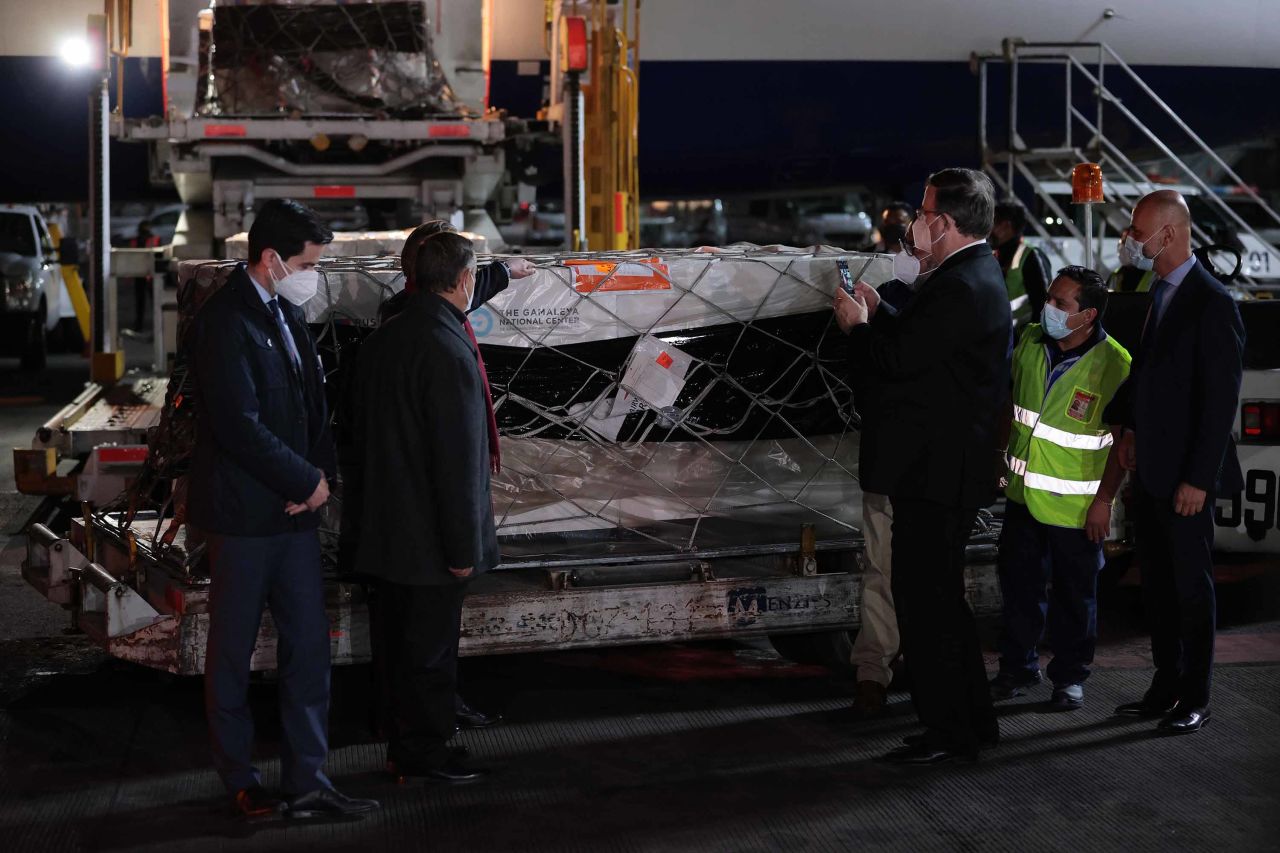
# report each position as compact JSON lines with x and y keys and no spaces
{"x":285,"y":336}
{"x":1158,"y":294}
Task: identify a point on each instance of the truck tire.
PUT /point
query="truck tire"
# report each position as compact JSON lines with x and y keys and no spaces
{"x":35,"y":353}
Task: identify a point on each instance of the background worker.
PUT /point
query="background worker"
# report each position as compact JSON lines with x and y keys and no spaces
{"x":877,"y":642}
{"x":491,"y":279}
{"x":260,"y":473}
{"x":895,"y":219}
{"x":1183,"y":398}
{"x":424,"y":449}
{"x":1025,"y":268}
{"x":945,"y":365}
{"x":1063,"y":477}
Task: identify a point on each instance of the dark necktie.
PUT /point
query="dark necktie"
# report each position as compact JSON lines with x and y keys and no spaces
{"x":1159,"y":293}
{"x":285,"y":336}
{"x":495,"y":451}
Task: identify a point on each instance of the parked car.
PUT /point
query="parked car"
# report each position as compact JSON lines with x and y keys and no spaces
{"x":34,"y":293}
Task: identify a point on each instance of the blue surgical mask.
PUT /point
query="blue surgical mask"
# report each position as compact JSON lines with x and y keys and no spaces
{"x":1131,"y":253}
{"x":1054,"y":320}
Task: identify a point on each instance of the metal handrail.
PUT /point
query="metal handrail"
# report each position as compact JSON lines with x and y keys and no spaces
{"x":1015,"y":52}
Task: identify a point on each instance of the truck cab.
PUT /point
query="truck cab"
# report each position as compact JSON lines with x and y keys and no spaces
{"x":33,"y":289}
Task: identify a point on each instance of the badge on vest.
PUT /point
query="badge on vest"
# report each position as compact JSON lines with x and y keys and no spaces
{"x":1081,"y":406}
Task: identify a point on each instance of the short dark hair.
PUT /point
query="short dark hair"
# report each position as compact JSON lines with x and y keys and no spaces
{"x":1093,"y":290}
{"x":1014,"y":213}
{"x":409,"y":252}
{"x":286,"y":226}
{"x":441,"y":259}
{"x":905,"y":207}
{"x":968,"y":197}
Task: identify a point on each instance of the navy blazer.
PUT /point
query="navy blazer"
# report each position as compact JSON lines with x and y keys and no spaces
{"x":942,"y":375}
{"x":263,"y":436}
{"x":1184,"y":389}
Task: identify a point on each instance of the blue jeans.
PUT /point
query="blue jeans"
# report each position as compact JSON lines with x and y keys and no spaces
{"x":281,"y":572}
{"x":1047,"y":575}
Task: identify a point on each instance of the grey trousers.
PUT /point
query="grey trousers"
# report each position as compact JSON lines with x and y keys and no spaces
{"x":877,"y":642}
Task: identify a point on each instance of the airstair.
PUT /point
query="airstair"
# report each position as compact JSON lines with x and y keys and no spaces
{"x":1085,"y":81}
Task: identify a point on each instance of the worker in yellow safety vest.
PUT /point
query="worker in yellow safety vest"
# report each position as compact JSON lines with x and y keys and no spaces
{"x":1136,"y":272}
{"x":1025,"y":268}
{"x":1062,"y":479}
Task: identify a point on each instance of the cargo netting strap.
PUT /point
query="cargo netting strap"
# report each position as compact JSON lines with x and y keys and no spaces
{"x":648,"y":402}
{"x":323,"y":58}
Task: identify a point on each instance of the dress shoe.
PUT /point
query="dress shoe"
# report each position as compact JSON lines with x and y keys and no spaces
{"x":328,"y":802}
{"x":453,"y":771}
{"x":256,"y":802}
{"x":924,"y":754}
{"x":923,"y":739}
{"x":1067,"y":697}
{"x":470,"y":718}
{"x":869,"y":699}
{"x":1009,"y":685}
{"x":1184,"y":720}
{"x":1146,"y":708}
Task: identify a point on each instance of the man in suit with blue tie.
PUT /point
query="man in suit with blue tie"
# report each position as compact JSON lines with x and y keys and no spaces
{"x":1182,"y":397}
{"x":260,"y":474}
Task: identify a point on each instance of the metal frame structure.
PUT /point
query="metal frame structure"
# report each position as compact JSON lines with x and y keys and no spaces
{"x":1084,"y":138}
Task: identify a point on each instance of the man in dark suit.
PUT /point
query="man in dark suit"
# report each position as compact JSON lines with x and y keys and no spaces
{"x":424,"y":445}
{"x":491,"y":279}
{"x":944,"y":366}
{"x":259,"y":476}
{"x":1183,"y":393}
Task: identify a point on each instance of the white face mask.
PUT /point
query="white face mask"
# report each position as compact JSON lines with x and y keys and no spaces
{"x":471,"y":294}
{"x":297,"y":286}
{"x":1132,"y":254}
{"x":907,"y":265}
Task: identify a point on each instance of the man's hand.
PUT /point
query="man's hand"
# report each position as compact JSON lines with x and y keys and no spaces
{"x":850,"y":311}
{"x":1128,"y":451}
{"x":462,"y":573}
{"x":869,"y":295}
{"x":520,"y":268}
{"x":1097,"y":522}
{"x":1188,"y":500}
{"x":318,"y":499}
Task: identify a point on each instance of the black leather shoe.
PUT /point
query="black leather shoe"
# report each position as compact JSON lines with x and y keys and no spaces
{"x":925,"y":754}
{"x":1146,"y":709}
{"x":1184,"y":721}
{"x":329,"y":802}
{"x":256,"y":802}
{"x":454,"y":771}
{"x":470,"y":718}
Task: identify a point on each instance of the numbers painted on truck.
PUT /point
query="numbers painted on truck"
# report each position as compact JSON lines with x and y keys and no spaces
{"x":1254,"y":508}
{"x":1260,"y":262}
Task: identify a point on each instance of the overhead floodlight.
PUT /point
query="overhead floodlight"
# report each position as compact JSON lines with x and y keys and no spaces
{"x":75,"y":52}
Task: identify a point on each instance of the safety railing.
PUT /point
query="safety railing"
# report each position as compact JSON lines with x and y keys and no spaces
{"x":1085,"y":122}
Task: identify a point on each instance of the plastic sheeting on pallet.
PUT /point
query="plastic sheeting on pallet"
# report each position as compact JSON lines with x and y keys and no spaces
{"x":352,"y":244}
{"x":657,"y":401}
{"x":320,"y":57}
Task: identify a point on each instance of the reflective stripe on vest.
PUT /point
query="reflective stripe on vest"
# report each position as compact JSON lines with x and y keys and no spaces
{"x":1016,"y":287}
{"x":1058,"y":443}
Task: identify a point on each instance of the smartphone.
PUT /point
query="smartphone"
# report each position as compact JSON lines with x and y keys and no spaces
{"x":846,"y":278}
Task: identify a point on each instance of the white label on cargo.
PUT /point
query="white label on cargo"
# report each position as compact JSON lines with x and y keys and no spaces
{"x":657,"y":372}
